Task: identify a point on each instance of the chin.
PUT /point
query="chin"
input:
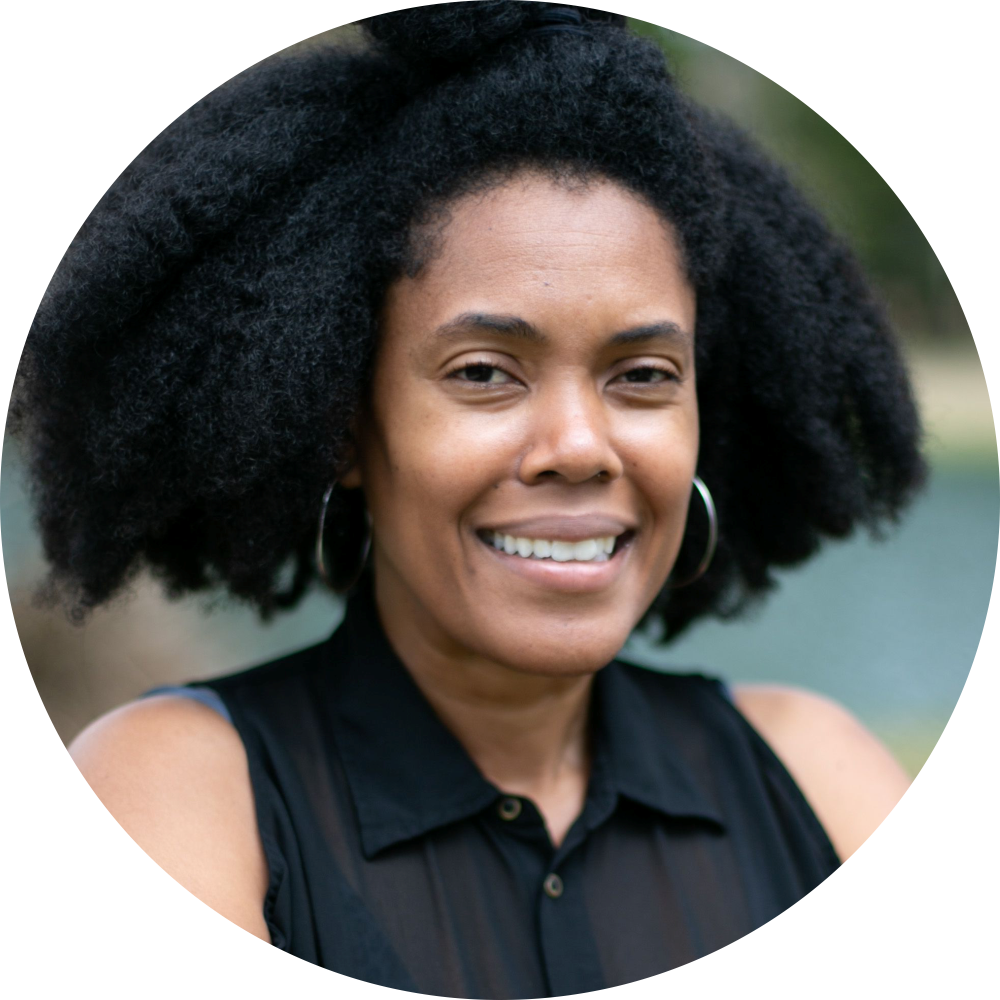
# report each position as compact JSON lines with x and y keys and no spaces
{"x":566,"y":650}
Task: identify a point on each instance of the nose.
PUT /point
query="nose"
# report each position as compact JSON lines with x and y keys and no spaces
{"x":570,"y":438}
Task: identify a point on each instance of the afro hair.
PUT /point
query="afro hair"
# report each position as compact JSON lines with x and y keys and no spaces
{"x":189,"y":384}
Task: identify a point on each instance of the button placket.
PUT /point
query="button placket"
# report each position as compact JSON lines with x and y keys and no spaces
{"x":566,"y":932}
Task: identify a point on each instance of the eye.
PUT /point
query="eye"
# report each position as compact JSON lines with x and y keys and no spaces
{"x":648,"y":374}
{"x":482,"y":374}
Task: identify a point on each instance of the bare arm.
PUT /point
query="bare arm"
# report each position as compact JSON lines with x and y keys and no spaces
{"x":851,"y":781}
{"x":174,"y":774}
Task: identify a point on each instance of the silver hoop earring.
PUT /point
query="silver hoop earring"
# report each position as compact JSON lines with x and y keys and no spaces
{"x":713,"y":534}
{"x":341,"y":583}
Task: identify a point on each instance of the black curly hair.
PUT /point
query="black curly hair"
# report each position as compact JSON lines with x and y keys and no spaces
{"x":188,"y":387}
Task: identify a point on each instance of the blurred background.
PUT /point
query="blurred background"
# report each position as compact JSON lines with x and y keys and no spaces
{"x":889,"y":628}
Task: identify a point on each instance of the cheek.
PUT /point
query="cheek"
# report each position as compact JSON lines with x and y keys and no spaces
{"x":432,"y":464}
{"x":661,"y":461}
{"x":669,"y":486}
{"x":661,"y":447}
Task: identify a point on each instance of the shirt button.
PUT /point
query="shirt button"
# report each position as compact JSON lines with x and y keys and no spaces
{"x":509,"y":808}
{"x":553,"y":885}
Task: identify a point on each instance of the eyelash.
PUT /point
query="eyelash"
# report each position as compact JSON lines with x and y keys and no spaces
{"x":455,"y":372}
{"x":668,"y":375}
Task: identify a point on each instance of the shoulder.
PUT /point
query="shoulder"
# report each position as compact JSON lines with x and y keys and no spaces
{"x":849,"y":779}
{"x":174,"y":774}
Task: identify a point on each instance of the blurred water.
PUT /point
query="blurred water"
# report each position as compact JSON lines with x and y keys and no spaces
{"x":889,"y":628}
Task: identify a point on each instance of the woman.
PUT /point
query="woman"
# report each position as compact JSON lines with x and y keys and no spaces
{"x":487,"y":325}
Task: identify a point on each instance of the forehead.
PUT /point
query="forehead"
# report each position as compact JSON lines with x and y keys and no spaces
{"x":535,"y":242}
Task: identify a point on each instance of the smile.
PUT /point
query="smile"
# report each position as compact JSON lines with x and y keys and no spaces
{"x":583,"y":565}
{"x":597,"y":549}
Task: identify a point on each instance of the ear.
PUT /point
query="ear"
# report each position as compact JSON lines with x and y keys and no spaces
{"x":351,"y":480}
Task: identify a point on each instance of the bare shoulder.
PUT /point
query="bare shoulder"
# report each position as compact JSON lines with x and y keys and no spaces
{"x":848,"y":777}
{"x":174,"y":774}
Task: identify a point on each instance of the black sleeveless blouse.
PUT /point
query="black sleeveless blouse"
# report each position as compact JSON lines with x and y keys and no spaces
{"x":392,"y":859}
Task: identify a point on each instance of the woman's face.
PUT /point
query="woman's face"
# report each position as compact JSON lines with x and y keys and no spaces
{"x":533,"y":406}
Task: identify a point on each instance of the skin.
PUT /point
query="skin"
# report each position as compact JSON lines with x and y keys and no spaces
{"x":537,"y":370}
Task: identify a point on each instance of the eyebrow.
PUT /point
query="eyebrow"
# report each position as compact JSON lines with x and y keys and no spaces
{"x":521,"y":329}
{"x":667,"y":330}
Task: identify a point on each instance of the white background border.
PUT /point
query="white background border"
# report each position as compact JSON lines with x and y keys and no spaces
{"x":87,"y":85}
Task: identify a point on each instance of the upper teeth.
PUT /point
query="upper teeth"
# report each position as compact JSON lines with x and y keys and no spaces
{"x":589,"y":550}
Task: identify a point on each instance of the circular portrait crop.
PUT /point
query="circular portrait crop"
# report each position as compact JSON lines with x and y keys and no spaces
{"x":499,"y":500}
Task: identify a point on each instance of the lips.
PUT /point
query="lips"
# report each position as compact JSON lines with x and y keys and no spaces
{"x":562,"y":553}
{"x":561,"y":527}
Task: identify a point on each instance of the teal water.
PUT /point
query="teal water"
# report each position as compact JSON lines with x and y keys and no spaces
{"x":889,"y":628}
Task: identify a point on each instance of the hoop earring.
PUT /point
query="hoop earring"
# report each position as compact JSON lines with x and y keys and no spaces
{"x":337,"y":583}
{"x":713,"y":534}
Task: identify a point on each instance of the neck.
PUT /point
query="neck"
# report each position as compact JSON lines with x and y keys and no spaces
{"x":526,"y":733}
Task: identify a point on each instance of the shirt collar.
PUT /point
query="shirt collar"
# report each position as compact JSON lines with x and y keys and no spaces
{"x":652,"y":736}
{"x":408,"y":774}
